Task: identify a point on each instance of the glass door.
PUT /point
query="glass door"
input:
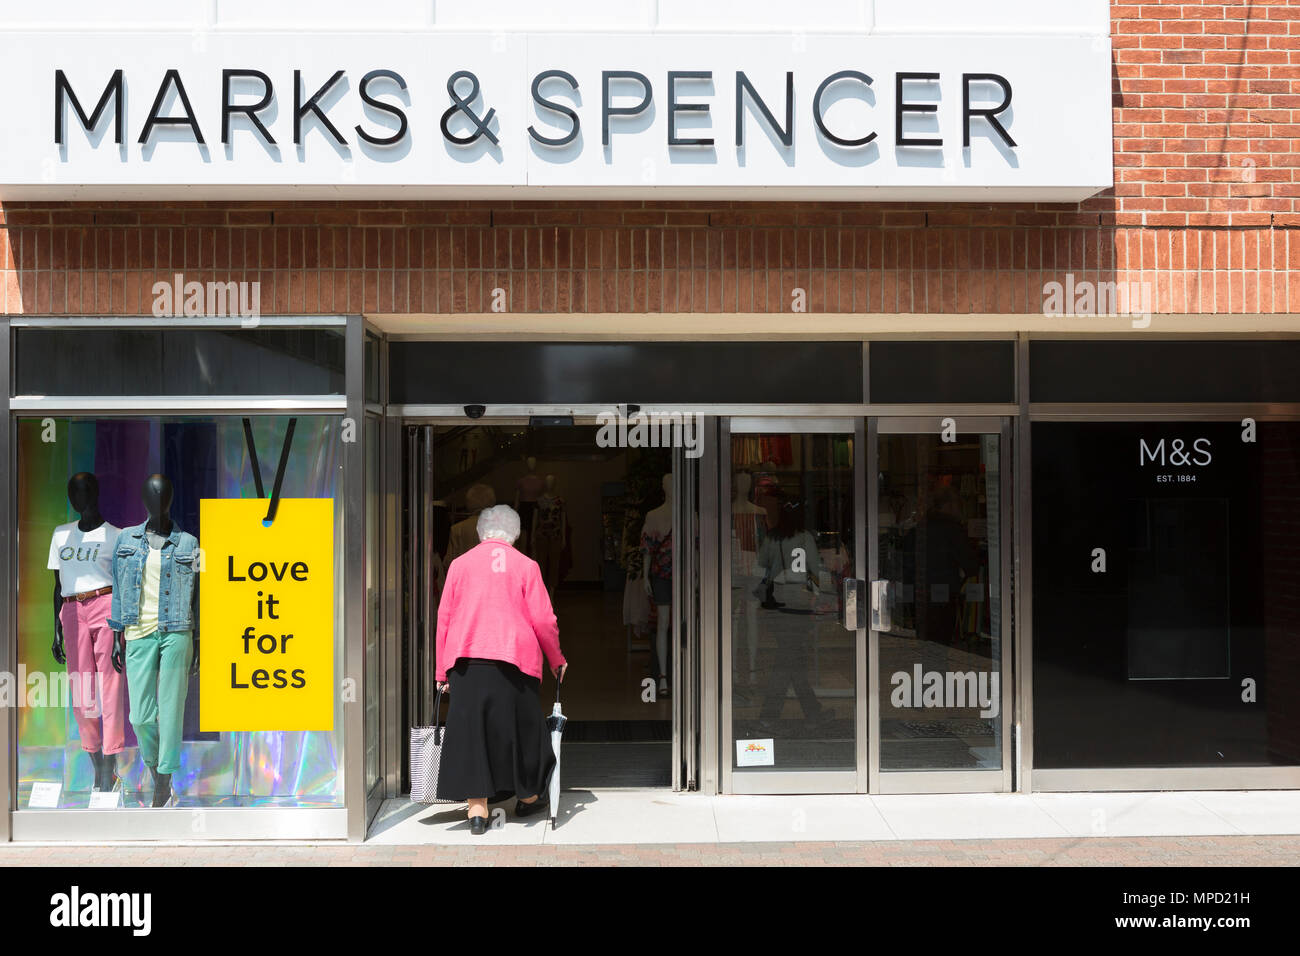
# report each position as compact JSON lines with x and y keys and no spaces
{"x":940,"y":600}
{"x":792,"y":532}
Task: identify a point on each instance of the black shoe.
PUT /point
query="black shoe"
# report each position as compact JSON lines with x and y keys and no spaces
{"x":110,"y":782}
{"x":106,"y":778}
{"x":97,"y":759}
{"x":528,"y":809}
{"x":478,"y":825}
{"x":162,"y":791}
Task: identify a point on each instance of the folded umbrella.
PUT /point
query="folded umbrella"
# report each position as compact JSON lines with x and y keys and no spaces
{"x":555,"y":724}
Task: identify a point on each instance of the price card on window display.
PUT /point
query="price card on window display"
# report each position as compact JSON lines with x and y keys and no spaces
{"x":105,"y":800}
{"x":266,"y":615}
{"x":44,"y":795}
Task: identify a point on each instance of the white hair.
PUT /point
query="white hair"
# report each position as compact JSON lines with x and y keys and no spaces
{"x":498,"y":523}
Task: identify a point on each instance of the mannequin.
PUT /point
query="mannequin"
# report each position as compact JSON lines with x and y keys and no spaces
{"x":155,"y":624}
{"x":81,"y":557}
{"x":657,"y":571}
{"x":748,"y":529}
{"x":636,"y":603}
{"x":550,"y":529}
{"x":767,"y":495}
{"x":464,"y":533}
{"x":527,"y":490}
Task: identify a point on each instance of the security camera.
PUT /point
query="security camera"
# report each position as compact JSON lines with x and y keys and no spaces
{"x":475,"y":411}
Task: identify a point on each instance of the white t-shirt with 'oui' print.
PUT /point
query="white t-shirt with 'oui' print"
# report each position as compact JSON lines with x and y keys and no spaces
{"x":84,"y":559}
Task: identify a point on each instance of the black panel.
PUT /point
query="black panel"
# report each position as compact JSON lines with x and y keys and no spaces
{"x":1165,"y":371}
{"x":603,"y":373}
{"x":179,"y":362}
{"x":913,"y":372}
{"x":1178,"y":651}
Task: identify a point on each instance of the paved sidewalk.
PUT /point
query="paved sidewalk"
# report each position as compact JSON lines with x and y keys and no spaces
{"x":1055,"y":852}
{"x":662,"y":828}
{"x":663,"y":817}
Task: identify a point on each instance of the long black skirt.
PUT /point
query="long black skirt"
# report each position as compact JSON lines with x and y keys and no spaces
{"x":496,"y":745}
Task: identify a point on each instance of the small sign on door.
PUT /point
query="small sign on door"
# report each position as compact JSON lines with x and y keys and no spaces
{"x":756,"y":753}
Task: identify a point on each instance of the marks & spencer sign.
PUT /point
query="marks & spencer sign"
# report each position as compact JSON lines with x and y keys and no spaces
{"x":469,"y":115}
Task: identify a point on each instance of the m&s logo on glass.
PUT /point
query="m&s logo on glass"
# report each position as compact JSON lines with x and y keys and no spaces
{"x":1175,"y":454}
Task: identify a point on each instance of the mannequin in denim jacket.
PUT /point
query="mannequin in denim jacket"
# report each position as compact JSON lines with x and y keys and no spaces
{"x":157,"y":495}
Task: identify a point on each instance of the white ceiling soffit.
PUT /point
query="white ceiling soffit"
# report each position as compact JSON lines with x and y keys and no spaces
{"x":1080,"y":17}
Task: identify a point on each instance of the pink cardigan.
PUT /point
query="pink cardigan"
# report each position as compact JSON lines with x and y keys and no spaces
{"x":495,"y":605}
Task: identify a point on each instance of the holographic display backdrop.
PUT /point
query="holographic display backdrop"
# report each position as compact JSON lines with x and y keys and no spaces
{"x":204,"y":458}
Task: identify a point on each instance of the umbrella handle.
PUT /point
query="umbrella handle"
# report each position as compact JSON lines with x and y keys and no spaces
{"x":437,"y":706}
{"x":559,"y":679}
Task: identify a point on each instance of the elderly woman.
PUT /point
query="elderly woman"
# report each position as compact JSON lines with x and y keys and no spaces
{"x":495,"y":622}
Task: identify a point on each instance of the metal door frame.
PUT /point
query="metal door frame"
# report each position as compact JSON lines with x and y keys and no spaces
{"x":686,"y":619}
{"x":946,"y":781}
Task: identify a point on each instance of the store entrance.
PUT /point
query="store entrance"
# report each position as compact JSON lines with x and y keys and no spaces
{"x":599,"y":522}
{"x":898,"y":685}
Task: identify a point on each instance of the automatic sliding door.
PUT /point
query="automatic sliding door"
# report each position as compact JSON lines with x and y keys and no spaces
{"x":792,"y":678}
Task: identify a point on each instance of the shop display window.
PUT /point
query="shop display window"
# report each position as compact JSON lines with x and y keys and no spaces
{"x":87,"y":727}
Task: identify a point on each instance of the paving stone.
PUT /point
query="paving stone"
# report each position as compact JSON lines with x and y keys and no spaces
{"x":1147,"y":851}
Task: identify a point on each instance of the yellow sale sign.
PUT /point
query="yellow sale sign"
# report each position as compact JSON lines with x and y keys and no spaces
{"x":266,"y":615}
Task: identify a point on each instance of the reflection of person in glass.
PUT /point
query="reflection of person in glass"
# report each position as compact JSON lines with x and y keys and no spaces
{"x":789,"y":554}
{"x":768,"y":498}
{"x":943,"y":557}
{"x":81,"y":557}
{"x":749,"y":528}
{"x":154,"y":615}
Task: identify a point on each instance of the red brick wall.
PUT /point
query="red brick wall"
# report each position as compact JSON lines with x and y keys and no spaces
{"x":1206,"y":207}
{"x":1207,"y":114}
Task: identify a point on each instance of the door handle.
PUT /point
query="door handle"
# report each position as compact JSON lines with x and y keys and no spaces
{"x":855,"y":599}
{"x":881,"y":602}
